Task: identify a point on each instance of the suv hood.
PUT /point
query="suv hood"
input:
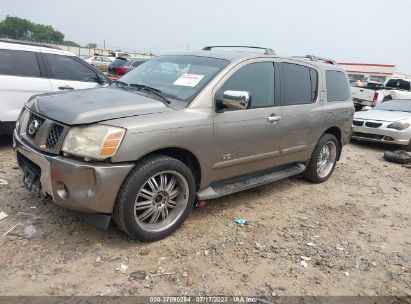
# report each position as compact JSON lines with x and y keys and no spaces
{"x":94,"y":105}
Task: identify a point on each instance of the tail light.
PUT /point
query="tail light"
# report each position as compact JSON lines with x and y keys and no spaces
{"x":121,"y":70}
{"x":375,"y":96}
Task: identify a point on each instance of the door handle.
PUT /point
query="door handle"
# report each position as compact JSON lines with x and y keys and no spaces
{"x":273,"y":118}
{"x":66,"y":87}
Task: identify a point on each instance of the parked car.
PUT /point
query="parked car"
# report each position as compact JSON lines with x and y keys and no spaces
{"x":27,"y":69}
{"x":121,"y":66}
{"x":182,"y":127}
{"x":99,"y":62}
{"x":388,"y":122}
{"x":374,"y":93}
{"x":120,"y":54}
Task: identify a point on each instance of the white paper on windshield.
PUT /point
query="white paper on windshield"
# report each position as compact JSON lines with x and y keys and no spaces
{"x":188,"y":80}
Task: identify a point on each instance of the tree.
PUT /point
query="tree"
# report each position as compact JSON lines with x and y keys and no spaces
{"x":18,"y":28}
{"x":70,"y":43}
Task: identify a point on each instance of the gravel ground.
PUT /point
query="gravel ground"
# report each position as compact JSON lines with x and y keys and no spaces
{"x":352,"y":233}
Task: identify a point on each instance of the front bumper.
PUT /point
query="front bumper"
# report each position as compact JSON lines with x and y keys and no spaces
{"x":382,"y":135}
{"x":73,"y":184}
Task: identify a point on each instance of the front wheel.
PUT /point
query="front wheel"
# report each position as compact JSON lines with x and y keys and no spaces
{"x":323,"y":159}
{"x":155,"y":199}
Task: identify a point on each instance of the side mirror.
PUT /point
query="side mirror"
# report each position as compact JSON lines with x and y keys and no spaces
{"x":235,"y":100}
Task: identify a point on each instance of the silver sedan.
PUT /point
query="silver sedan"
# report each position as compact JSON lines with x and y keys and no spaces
{"x":388,"y":122}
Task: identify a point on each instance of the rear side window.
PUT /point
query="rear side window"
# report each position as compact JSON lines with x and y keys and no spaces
{"x":299,"y":84}
{"x":19,"y":63}
{"x":337,"y":86}
{"x":118,"y":63}
{"x":256,"y":78}
{"x":67,"y":68}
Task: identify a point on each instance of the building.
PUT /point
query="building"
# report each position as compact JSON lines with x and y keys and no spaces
{"x":364,"y":71}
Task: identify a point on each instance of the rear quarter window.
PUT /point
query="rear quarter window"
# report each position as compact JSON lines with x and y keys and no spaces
{"x":19,"y":63}
{"x":337,"y":86}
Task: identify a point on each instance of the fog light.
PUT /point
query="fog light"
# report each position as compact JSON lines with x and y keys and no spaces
{"x":62,"y":191}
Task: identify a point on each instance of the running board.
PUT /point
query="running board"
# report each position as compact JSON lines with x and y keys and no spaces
{"x":249,"y":181}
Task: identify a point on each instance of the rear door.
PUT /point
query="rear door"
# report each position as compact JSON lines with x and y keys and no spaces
{"x":68,"y":73}
{"x":20,"y":77}
{"x":301,"y":112}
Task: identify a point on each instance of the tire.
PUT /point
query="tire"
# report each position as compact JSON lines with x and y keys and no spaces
{"x":319,"y":175}
{"x":399,"y":157}
{"x":162,"y":204}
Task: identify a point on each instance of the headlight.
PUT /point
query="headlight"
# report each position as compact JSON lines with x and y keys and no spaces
{"x":97,"y":141}
{"x":399,"y":125}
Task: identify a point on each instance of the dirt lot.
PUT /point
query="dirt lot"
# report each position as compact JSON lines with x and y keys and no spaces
{"x":355,"y":231}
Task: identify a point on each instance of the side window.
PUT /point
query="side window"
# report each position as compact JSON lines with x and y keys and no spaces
{"x":256,"y":78}
{"x":337,"y":86}
{"x":19,"y":63}
{"x":299,"y":84}
{"x":66,"y":68}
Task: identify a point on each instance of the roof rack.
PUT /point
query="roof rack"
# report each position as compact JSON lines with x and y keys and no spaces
{"x":317,"y":58}
{"x":267,"y":51}
{"x":8,"y":40}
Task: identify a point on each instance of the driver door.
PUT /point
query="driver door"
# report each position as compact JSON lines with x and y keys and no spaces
{"x":247,"y":140}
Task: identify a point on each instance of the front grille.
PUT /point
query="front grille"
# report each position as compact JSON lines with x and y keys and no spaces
{"x":54,"y":136}
{"x":33,"y":125}
{"x":41,"y":132}
{"x":358,"y":123}
{"x":373,"y":124}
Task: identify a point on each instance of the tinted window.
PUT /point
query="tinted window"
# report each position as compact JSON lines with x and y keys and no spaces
{"x":67,"y":68}
{"x":19,"y":63}
{"x":256,"y":78}
{"x":337,"y":86}
{"x":299,"y":84}
{"x":399,"y":84}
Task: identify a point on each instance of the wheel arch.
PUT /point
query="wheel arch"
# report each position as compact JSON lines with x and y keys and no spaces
{"x":338,"y":134}
{"x":185,"y":156}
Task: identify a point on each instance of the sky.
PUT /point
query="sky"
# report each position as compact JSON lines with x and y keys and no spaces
{"x":367,"y":31}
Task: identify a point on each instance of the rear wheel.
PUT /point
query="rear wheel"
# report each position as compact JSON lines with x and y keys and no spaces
{"x":323,"y":159}
{"x":155,"y":199}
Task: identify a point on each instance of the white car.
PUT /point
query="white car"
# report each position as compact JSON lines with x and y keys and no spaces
{"x":99,"y":62}
{"x":388,"y":122}
{"x":28,"y":69}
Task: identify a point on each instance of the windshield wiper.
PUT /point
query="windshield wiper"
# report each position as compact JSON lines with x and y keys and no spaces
{"x":122,"y":83}
{"x":152,"y":90}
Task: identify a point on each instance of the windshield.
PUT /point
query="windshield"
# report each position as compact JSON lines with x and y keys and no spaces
{"x":177,"y":77}
{"x":395,"y":105}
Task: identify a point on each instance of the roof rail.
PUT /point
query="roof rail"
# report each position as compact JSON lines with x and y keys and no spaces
{"x":267,"y":51}
{"x":318,"y":58}
{"x":8,"y":40}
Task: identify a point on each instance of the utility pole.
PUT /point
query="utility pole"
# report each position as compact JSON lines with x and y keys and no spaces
{"x":104,"y":44}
